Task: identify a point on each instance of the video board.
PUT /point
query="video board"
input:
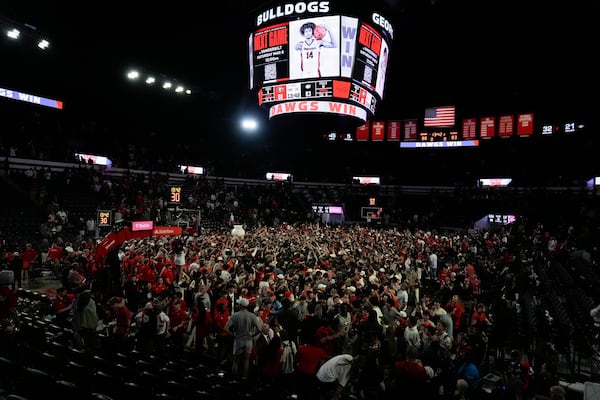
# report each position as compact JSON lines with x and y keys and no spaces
{"x":319,"y":57}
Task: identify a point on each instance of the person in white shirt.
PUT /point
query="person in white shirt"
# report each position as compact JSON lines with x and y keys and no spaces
{"x":433,"y":264}
{"x":402,"y":297}
{"x":163,"y":323}
{"x":412,"y":337}
{"x":334,"y":375}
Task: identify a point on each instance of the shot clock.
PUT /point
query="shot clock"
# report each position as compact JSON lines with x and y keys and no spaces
{"x":175,"y":195}
{"x":104,"y":217}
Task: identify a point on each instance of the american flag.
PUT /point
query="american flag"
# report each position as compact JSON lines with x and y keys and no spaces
{"x":439,"y":116}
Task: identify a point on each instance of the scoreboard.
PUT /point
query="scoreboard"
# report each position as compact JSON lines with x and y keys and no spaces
{"x":319,"y":57}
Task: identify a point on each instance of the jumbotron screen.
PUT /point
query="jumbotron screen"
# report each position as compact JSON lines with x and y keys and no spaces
{"x":319,"y":57}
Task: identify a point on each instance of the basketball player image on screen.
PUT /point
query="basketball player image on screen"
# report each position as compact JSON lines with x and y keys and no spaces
{"x":314,"y":38}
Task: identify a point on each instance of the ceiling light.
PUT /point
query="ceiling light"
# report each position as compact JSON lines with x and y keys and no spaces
{"x":43,"y":44}
{"x":13,"y":33}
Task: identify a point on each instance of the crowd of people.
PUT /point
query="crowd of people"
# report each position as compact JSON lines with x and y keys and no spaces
{"x":345,"y":309}
{"x":313,"y":309}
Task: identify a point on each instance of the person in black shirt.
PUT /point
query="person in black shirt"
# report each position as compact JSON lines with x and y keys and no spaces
{"x":16,"y":265}
{"x":371,"y":379}
{"x":288,"y":319}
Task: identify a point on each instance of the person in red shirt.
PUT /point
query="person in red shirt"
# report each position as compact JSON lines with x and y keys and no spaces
{"x":469,"y":270}
{"x":327,"y":338}
{"x":178,"y":323}
{"x":158,"y":286}
{"x":148,"y":271}
{"x":479,"y":319}
{"x":250,"y":295}
{"x":55,"y":254}
{"x":89,"y":244}
{"x":62,"y":305}
{"x":410,"y":376}
{"x":122,"y":327}
{"x":444,"y":273}
{"x":309,"y":358}
{"x":265,"y":312}
{"x":271,"y":370}
{"x":29,"y":256}
{"x":223,"y":340}
{"x":129,"y":262}
{"x":166,"y":273}
{"x":427,"y":322}
{"x":456,"y":311}
{"x":202,"y":321}
{"x":179,"y":296}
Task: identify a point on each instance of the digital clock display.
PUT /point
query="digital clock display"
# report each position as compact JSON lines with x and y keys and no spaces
{"x":104,"y":217}
{"x":438,"y":136}
{"x":175,"y":194}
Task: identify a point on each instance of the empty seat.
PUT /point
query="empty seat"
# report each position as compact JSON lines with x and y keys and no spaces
{"x":144,"y":365}
{"x":123,"y":372}
{"x":135,"y":390}
{"x":149,"y":379}
{"x":100,"y":396}
{"x":14,"y":396}
{"x":176,"y":387}
{"x":106,"y":383}
{"x":8,"y":373}
{"x":68,"y":390}
{"x":167,"y":374}
{"x":195,"y":382}
{"x":137,"y":355}
{"x":75,"y":372}
{"x":98,"y":362}
{"x":49,"y":362}
{"x":58,"y":349}
{"x":78,"y":355}
{"x":125,"y":359}
{"x":202,"y":394}
{"x":34,"y":383}
{"x":164,"y":396}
